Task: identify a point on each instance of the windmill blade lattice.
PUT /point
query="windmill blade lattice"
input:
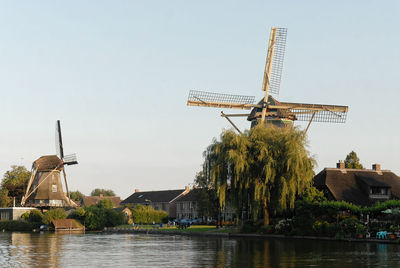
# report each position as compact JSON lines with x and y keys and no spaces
{"x":277,"y":62}
{"x":218,"y":100}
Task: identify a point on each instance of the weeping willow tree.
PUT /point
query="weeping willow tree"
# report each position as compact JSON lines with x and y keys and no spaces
{"x":266,"y":167}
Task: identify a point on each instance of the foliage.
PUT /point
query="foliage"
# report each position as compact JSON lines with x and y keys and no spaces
{"x":76,"y":195}
{"x":104,"y":192}
{"x":13,"y":185}
{"x":146,"y":215}
{"x":18,"y":226}
{"x":95,"y":218}
{"x":266,"y":167}
{"x":54,"y":214}
{"x":352,"y":161}
{"x":313,"y":195}
{"x":207,"y":199}
{"x":33,"y":216}
{"x":105,"y":203}
{"x":114,"y":218}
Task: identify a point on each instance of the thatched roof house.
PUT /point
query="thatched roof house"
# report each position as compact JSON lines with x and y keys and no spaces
{"x":358,"y":186}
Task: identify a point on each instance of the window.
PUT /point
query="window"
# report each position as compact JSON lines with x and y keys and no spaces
{"x":378,"y":191}
{"x":54,"y":188}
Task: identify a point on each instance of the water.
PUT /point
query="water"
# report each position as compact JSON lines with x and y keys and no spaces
{"x":140,"y":250}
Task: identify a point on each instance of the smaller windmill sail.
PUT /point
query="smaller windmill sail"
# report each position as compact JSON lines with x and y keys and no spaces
{"x":218,"y":100}
{"x":67,"y":159}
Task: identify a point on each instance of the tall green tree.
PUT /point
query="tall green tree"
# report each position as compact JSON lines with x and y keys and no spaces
{"x":207,"y":197}
{"x":76,"y":195}
{"x":104,"y":192}
{"x":13,"y":185}
{"x":266,"y":167}
{"x":352,"y":161}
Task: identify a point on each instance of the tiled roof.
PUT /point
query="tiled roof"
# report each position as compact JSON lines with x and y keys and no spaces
{"x":193,"y":195}
{"x":344,"y":184}
{"x":153,"y":196}
{"x":93,"y":200}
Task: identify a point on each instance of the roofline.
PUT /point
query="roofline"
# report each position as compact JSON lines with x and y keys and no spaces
{"x":358,"y":170}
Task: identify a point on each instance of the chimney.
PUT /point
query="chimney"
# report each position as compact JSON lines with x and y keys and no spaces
{"x":376,"y":167}
{"x":187,"y":189}
{"x":136,"y":190}
{"x":340,"y":165}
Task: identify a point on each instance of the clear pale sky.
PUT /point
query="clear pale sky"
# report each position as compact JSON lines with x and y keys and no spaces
{"x":117,"y":75}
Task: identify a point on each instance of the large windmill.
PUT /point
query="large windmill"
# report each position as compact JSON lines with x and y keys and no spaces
{"x":270,"y":110}
{"x":44,"y":187}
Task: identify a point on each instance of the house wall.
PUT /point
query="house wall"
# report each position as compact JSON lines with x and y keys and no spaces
{"x":187,"y":210}
{"x":13,"y":213}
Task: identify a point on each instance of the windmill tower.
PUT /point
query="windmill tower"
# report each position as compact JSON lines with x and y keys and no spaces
{"x":269,"y":109}
{"x":44,"y":187}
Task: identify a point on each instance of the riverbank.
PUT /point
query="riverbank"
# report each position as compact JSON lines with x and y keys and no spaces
{"x":224,"y":233}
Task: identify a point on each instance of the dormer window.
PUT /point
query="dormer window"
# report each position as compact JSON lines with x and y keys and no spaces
{"x":378,"y":191}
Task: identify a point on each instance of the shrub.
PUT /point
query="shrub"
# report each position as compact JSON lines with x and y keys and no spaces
{"x":18,"y":226}
{"x":54,"y":214}
{"x":33,"y":216}
{"x":114,"y":218}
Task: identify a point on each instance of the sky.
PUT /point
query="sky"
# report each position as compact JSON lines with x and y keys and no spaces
{"x":117,"y":74}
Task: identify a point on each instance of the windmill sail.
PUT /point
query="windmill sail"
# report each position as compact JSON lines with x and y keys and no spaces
{"x":217,"y":100}
{"x":59,"y":145}
{"x":274,"y":63}
{"x":316,"y":112}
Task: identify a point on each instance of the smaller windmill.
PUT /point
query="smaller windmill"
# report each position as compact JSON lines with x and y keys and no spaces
{"x":44,"y":187}
{"x":269,"y":109}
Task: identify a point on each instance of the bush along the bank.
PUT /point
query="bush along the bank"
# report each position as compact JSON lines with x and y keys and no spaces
{"x":318,"y":217}
{"x":18,"y":226}
{"x":147,"y":215}
{"x":97,"y":217}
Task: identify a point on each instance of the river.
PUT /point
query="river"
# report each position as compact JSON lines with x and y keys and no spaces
{"x":141,"y":250}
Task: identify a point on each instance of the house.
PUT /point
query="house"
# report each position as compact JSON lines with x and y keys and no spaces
{"x":358,"y":186}
{"x":159,"y":200}
{"x":186,"y":206}
{"x":94,"y":200}
{"x":127,"y":213}
{"x":69,"y":225}
{"x":13,"y":213}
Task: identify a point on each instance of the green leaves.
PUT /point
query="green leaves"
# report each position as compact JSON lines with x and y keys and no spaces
{"x":266,"y":167}
{"x":13,"y":185}
{"x":352,"y":161}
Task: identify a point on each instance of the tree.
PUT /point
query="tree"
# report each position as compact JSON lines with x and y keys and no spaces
{"x":13,"y":185}
{"x":54,"y":214}
{"x":76,"y":195}
{"x":104,"y":192}
{"x":105,"y":203}
{"x":266,"y":167}
{"x":207,"y":198}
{"x":352,"y":161}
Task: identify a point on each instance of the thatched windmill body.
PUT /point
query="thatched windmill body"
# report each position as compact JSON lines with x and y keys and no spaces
{"x":269,"y":109}
{"x":45,"y":187}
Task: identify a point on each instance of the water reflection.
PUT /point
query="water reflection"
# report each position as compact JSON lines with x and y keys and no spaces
{"x":127,"y":250}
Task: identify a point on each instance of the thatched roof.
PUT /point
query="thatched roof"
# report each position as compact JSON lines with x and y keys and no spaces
{"x":344,"y":184}
{"x":93,"y":200}
{"x":67,"y":224}
{"x":48,"y":162}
